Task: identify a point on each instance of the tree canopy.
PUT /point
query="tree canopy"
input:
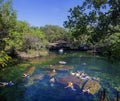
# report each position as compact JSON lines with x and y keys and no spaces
{"x":54,"y":33}
{"x":7,"y":20}
{"x":98,"y":19}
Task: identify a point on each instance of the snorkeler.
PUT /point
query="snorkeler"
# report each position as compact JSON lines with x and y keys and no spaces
{"x":26,"y":75}
{"x":87,"y":90}
{"x":53,"y":71}
{"x":6,"y":83}
{"x":52,"y":80}
{"x":51,"y":66}
{"x":10,"y":83}
{"x":70,"y":85}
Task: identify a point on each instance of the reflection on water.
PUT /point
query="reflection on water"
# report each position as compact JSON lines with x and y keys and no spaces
{"x":39,"y":88}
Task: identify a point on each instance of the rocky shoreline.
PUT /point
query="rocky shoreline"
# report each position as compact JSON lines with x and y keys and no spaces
{"x":24,"y":55}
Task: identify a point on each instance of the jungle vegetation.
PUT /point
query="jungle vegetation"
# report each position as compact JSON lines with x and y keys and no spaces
{"x":95,"y":23}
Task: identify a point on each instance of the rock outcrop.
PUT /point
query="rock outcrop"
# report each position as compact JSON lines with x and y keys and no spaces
{"x":62,"y":67}
{"x":93,"y":85}
{"x":64,"y":80}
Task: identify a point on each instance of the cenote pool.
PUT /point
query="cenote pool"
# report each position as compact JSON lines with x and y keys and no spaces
{"x":37,"y":87}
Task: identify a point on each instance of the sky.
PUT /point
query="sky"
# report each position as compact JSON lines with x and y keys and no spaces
{"x":44,"y":12}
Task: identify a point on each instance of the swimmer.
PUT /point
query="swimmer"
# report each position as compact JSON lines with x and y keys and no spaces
{"x":3,"y":83}
{"x":10,"y":83}
{"x":73,"y":73}
{"x":51,"y":66}
{"x":25,"y":75}
{"x":70,"y":85}
{"x":53,"y":71}
{"x":62,"y":62}
{"x":87,"y":90}
{"x":6,"y":83}
{"x":52,"y":80}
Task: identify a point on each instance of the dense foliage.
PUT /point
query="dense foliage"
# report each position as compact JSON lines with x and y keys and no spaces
{"x":94,"y":23}
{"x":99,"y":20}
{"x":54,"y":33}
{"x":35,"y":39}
{"x":17,"y":35}
{"x":4,"y":58}
{"x":7,"y":20}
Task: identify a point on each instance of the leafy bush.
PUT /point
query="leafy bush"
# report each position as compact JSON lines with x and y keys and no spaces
{"x":4,"y":58}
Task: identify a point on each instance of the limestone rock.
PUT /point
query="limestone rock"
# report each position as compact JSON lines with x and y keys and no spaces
{"x":64,"y":80}
{"x":93,"y":85}
{"x":62,"y":67}
{"x":36,"y":77}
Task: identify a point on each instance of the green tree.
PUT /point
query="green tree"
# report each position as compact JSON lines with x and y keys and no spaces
{"x":16,"y":36}
{"x":35,"y":39}
{"x":99,"y":19}
{"x":7,"y":20}
{"x":111,"y":45}
{"x":79,"y":26}
{"x":54,"y":33}
{"x":4,"y":58}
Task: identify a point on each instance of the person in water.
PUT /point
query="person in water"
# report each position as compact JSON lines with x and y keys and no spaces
{"x":52,"y":81}
{"x":51,"y":66}
{"x":53,"y":71}
{"x":6,"y":83}
{"x":25,"y":75}
{"x":70,"y":85}
{"x":10,"y":83}
{"x":87,"y":90}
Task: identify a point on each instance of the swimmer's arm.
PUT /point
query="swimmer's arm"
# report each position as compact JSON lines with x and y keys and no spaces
{"x":66,"y":87}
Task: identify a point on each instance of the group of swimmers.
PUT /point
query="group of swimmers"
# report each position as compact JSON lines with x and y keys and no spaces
{"x":70,"y":84}
{"x":81,"y":75}
{"x":11,"y":83}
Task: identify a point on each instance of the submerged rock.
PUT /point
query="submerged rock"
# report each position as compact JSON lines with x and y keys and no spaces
{"x":64,"y":80}
{"x":62,"y":67}
{"x":30,"y":70}
{"x":93,"y":85}
{"x":36,"y":77}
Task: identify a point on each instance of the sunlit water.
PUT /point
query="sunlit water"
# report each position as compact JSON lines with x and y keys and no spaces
{"x":38,"y":88}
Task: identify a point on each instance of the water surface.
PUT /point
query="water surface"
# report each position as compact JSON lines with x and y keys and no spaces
{"x":38,"y":88}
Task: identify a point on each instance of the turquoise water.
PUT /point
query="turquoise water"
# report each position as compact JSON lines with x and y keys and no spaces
{"x":38,"y":88}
